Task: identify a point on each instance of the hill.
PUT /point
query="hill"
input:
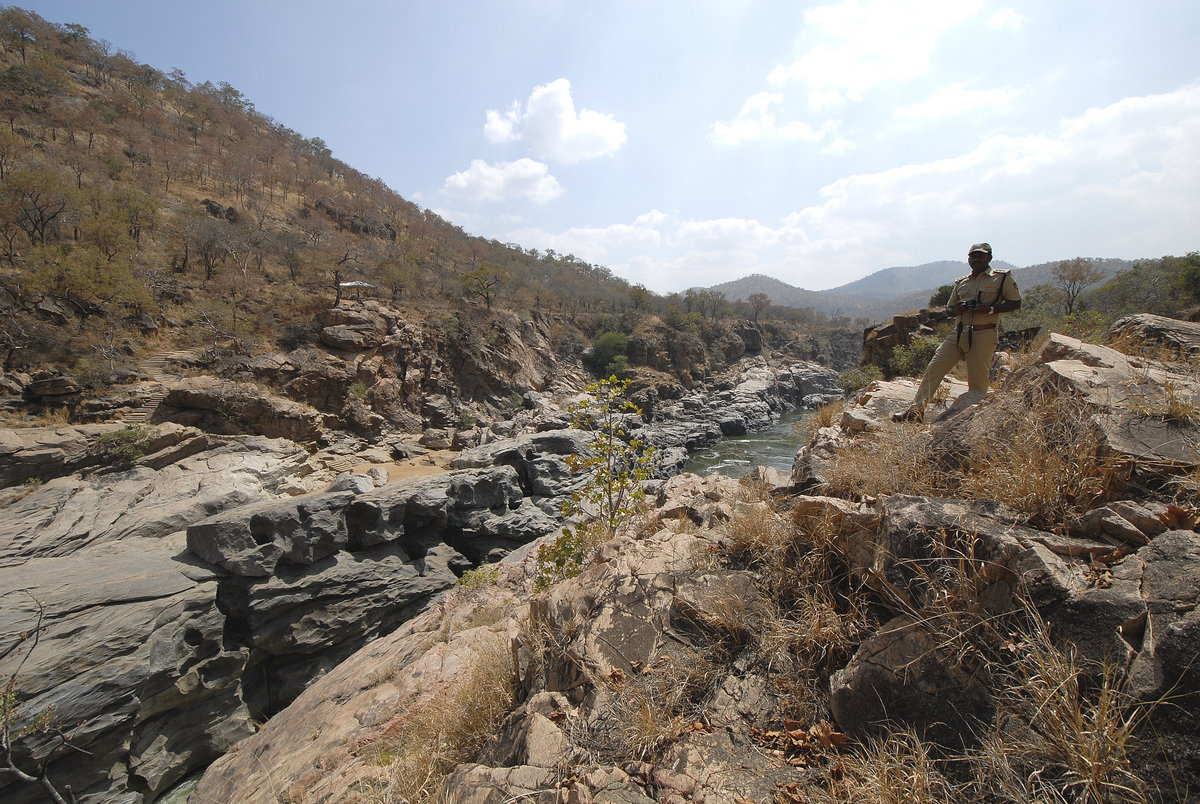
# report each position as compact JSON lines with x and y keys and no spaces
{"x":892,"y":290}
{"x":143,"y":213}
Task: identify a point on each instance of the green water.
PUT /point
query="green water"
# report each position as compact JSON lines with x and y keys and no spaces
{"x":735,"y":456}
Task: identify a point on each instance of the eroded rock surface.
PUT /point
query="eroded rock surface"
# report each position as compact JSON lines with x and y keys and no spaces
{"x":185,"y":601}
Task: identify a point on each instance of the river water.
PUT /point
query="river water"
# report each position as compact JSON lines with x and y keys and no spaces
{"x":735,"y":456}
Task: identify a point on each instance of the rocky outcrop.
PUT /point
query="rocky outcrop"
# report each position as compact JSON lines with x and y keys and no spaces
{"x":638,"y":625}
{"x":880,"y":341}
{"x":1141,"y":410}
{"x":538,"y":460}
{"x":47,"y":384}
{"x":630,"y":620}
{"x":134,"y":648}
{"x":229,"y":407}
{"x":43,"y":453}
{"x":1181,"y":337}
{"x":187,"y":600}
{"x":416,"y":376}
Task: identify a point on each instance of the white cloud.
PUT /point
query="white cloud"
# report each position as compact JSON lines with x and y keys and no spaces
{"x":503,"y":127}
{"x":865,"y":44}
{"x":1118,"y":180}
{"x":552,"y":127}
{"x":1007,"y":19}
{"x":596,"y":244}
{"x":755,"y":122}
{"x":838,"y":147}
{"x":724,"y":234}
{"x":504,"y":181}
{"x":957,"y":99}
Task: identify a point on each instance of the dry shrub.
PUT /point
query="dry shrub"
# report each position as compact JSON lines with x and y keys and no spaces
{"x":447,"y":730}
{"x":810,"y":616}
{"x":896,"y":460}
{"x":1077,"y":730}
{"x":826,"y":415}
{"x":896,"y":769}
{"x":1044,"y":461}
{"x":646,"y":711}
{"x":1062,"y":737}
{"x":1047,"y":466}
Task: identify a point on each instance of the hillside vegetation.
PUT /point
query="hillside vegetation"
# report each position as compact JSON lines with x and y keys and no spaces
{"x":141,"y":212}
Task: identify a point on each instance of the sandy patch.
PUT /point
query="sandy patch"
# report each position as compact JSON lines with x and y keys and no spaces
{"x":435,"y":463}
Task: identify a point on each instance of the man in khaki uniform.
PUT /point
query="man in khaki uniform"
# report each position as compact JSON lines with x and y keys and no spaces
{"x":977,"y":300}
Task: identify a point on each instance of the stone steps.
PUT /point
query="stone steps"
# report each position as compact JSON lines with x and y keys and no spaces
{"x":153,"y":366}
{"x":342,"y":464}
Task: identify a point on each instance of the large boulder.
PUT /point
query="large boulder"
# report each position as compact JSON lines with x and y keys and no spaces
{"x":1140,"y":410}
{"x":245,"y":406}
{"x":46,"y":384}
{"x":903,"y":676}
{"x":47,"y":452}
{"x":1182,"y":337}
{"x":540,"y":460}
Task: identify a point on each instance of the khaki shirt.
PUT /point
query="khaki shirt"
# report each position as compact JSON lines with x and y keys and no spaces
{"x":986,"y":288}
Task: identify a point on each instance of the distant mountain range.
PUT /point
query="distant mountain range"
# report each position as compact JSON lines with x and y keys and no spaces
{"x":891,"y":291}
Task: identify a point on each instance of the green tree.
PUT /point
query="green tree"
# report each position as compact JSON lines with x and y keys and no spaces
{"x":36,"y":199}
{"x":639,"y":296}
{"x":610,"y":499}
{"x":608,"y":347}
{"x":758,"y":303}
{"x":942,"y":296}
{"x":1190,"y":274}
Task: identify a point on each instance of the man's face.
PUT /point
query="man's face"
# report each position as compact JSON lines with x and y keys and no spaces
{"x":978,"y":260}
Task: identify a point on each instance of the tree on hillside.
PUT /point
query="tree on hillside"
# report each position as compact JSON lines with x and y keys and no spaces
{"x":213,"y":240}
{"x":758,"y":303}
{"x":484,"y":282}
{"x":1190,"y":274}
{"x":38,"y":199}
{"x":1072,"y":277}
{"x":639,"y":296}
{"x":712,"y":303}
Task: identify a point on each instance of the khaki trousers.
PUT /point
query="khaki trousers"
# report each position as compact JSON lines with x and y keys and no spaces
{"x":976,"y":348}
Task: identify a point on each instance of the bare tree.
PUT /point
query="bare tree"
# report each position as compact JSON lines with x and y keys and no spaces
{"x":1072,"y":277}
{"x":759,"y":302}
{"x":11,"y":729}
{"x":213,"y":241}
{"x":484,"y":282}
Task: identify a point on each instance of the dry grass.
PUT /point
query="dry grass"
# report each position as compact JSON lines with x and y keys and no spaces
{"x":810,"y":614}
{"x":646,"y":711}
{"x":447,"y":730}
{"x":1048,"y":467}
{"x":897,"y":769}
{"x":896,"y":460}
{"x":1076,"y":730}
{"x":1062,"y":737}
{"x":1173,"y":404}
{"x":826,"y":415}
{"x":1045,"y":463}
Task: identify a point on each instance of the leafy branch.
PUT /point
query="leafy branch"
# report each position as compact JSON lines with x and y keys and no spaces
{"x":610,"y":500}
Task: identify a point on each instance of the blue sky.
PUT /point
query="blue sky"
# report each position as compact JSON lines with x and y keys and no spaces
{"x":690,"y":143}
